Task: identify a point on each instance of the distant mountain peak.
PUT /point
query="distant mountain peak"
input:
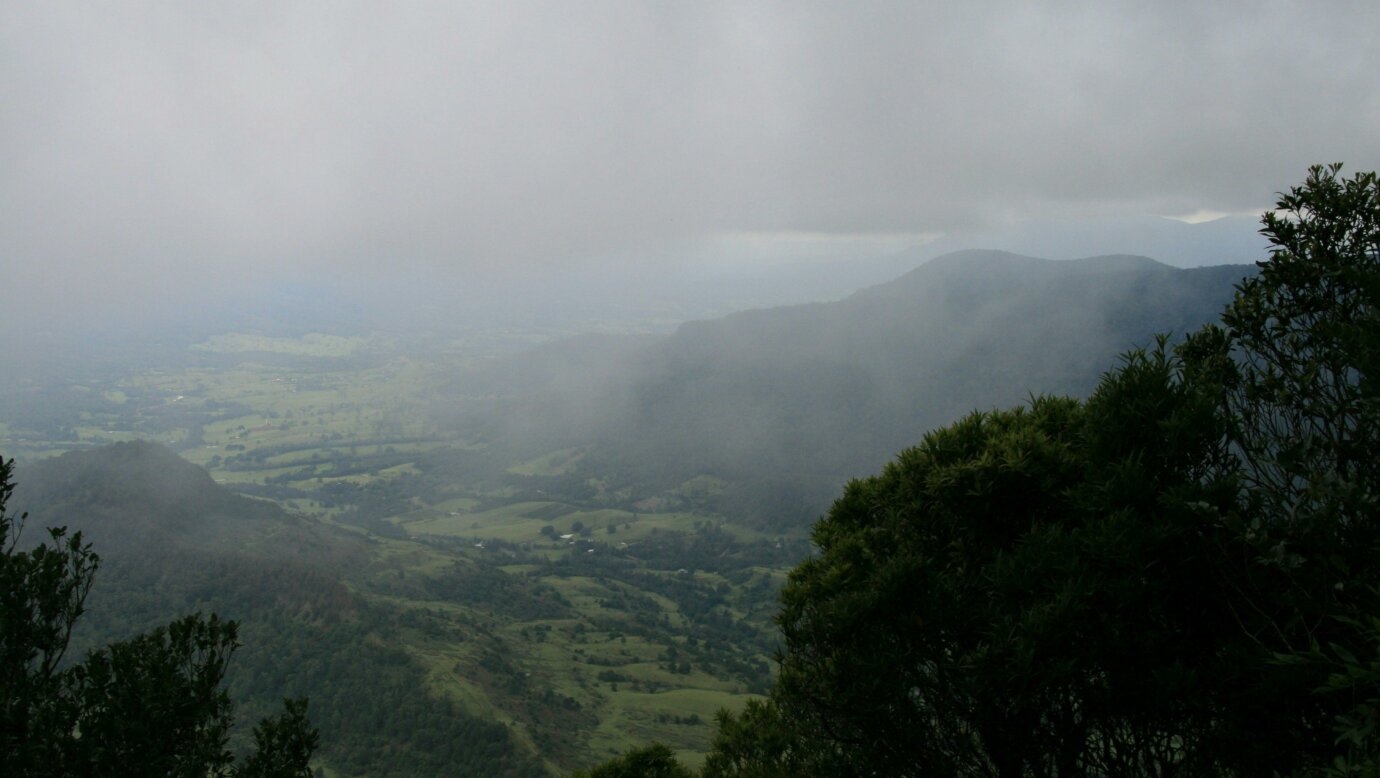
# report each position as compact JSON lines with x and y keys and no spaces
{"x":994,"y":269}
{"x":986,"y":259}
{"x":1118,"y":262}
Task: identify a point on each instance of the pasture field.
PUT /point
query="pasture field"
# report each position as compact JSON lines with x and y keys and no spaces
{"x":313,"y":344}
{"x":585,"y":623}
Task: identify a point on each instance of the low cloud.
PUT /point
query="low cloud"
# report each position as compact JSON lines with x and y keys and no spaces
{"x":152,"y":148}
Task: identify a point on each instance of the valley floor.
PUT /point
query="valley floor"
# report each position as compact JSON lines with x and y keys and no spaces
{"x":526,"y":591}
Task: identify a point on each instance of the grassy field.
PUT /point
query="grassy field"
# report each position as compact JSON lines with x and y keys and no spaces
{"x":587,"y":625}
{"x":311,"y":345}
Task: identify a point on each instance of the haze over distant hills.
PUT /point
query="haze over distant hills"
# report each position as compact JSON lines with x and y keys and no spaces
{"x":1224,"y":241}
{"x":748,"y":271}
{"x":786,"y":403}
{"x":643,"y":293}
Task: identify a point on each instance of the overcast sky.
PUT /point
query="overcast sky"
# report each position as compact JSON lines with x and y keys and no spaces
{"x":145,"y":147}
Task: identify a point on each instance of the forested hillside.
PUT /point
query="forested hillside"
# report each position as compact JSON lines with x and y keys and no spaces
{"x":174,"y":542}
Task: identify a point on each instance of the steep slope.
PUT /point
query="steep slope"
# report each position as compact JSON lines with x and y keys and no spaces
{"x":837,"y":388}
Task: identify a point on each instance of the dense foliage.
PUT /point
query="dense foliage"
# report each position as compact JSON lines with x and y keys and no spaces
{"x":1037,"y":592}
{"x":1176,"y":576}
{"x":1296,"y":355}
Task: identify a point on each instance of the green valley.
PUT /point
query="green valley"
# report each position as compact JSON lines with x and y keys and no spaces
{"x":637,"y":624}
{"x":549,"y":554}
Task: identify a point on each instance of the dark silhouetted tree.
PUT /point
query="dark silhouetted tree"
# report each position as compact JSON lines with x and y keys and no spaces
{"x":1297,"y":354}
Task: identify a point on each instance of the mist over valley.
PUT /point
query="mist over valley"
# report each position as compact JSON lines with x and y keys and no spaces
{"x":579,"y":535}
{"x":713,"y":390}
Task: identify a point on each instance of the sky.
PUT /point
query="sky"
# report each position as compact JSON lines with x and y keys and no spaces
{"x":165,"y":150}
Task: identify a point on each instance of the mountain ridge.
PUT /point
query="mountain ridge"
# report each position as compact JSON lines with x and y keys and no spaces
{"x":822,"y":392}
